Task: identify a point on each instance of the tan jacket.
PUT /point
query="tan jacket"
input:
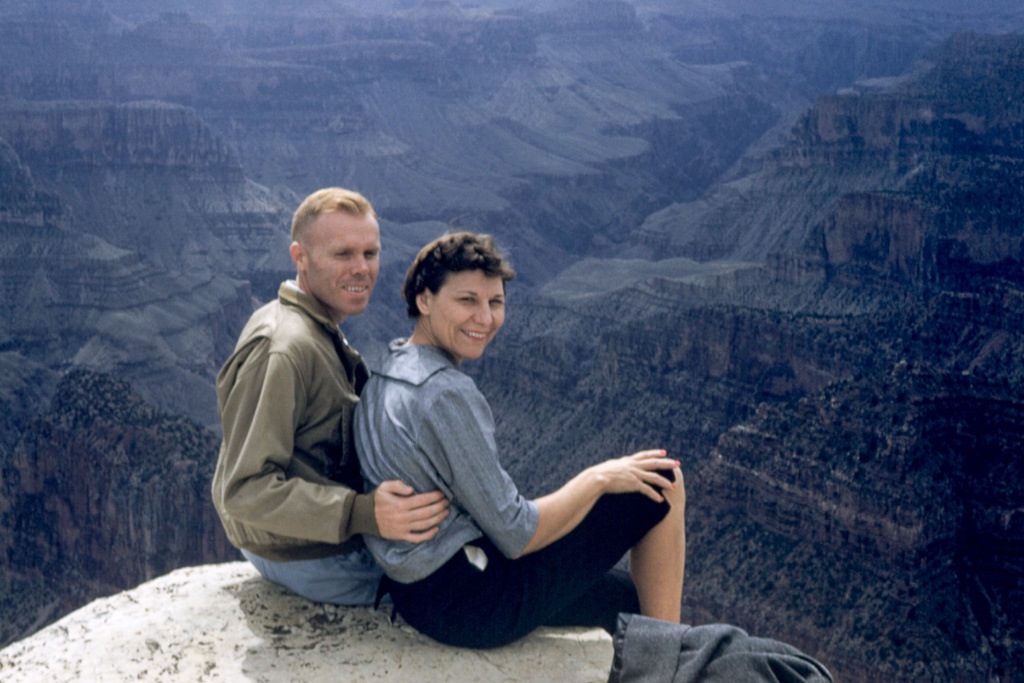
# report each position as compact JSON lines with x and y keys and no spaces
{"x":283,"y":485}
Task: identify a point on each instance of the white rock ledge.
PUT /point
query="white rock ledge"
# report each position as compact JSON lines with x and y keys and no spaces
{"x":225,"y":623}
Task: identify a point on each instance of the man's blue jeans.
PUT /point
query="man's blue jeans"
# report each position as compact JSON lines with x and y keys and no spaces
{"x":349,"y":579}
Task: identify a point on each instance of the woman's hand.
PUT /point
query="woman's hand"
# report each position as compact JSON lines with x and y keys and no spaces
{"x":639,"y":473}
{"x":645,"y":472}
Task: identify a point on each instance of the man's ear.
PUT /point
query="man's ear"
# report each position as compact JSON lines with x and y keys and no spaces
{"x":298,"y":254}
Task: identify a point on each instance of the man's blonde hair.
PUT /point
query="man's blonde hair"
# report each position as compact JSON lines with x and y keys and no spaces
{"x":328,"y":200}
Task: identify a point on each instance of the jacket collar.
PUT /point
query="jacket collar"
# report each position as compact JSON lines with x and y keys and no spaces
{"x":415,"y":363}
{"x":289,"y":293}
{"x":355,"y":368}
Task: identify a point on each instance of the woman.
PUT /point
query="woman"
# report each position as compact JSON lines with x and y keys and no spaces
{"x":500,"y":565}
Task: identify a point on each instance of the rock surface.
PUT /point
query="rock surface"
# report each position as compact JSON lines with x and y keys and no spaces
{"x":225,"y":623}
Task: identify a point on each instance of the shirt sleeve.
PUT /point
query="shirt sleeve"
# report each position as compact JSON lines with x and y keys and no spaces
{"x":459,"y":438}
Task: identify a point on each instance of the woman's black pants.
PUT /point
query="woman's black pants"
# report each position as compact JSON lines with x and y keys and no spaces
{"x":569,"y":583}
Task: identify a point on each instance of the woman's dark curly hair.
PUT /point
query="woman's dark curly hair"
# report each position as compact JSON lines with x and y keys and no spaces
{"x":454,"y":253}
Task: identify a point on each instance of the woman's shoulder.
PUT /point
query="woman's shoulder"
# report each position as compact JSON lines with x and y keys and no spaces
{"x":426,"y":382}
{"x":422,"y":365}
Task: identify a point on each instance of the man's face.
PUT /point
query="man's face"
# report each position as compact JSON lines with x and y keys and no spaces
{"x":338,"y":259}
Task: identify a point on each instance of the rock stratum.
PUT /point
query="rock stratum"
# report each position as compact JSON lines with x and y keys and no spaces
{"x":93,"y":271}
{"x":226,"y":623}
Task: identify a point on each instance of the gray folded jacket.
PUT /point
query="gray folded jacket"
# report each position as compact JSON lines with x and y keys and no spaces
{"x":656,"y":651}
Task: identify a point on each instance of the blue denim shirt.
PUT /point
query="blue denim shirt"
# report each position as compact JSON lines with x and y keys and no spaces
{"x":423,"y":421}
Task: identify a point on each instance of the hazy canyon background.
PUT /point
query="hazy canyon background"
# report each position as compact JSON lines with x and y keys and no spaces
{"x":781,"y":239}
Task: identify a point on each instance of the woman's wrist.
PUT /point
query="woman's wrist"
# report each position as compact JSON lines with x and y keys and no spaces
{"x":596,"y":480}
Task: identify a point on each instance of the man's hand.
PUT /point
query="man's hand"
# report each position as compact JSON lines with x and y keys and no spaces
{"x":403,"y":515}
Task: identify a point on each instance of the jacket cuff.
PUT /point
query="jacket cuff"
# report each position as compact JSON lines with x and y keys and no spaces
{"x":362,"y":519}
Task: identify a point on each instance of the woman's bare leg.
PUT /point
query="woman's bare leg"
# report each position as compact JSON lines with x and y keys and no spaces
{"x":658,"y":562}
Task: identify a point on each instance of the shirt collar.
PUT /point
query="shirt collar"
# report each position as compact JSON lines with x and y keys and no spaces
{"x":415,"y":363}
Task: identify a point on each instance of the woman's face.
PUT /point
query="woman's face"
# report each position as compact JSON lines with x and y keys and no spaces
{"x":463,"y":316}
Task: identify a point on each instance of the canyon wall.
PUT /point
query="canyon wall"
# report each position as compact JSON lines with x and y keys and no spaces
{"x":74,"y":299}
{"x":916,"y":472}
{"x":933,"y":140}
{"x":848,"y":412}
{"x":101,"y":492}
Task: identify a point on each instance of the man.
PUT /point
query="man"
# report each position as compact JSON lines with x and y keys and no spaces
{"x":287,"y":485}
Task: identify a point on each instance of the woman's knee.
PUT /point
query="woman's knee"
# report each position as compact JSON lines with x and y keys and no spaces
{"x":676,"y":496}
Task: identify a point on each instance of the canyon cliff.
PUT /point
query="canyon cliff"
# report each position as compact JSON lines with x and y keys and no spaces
{"x":881,"y":518}
{"x":847,"y":411}
{"x":815,"y":303}
{"x":102,"y":491}
{"x":72,"y":298}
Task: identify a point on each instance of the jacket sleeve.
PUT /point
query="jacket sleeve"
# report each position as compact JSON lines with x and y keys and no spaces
{"x":261,"y":397}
